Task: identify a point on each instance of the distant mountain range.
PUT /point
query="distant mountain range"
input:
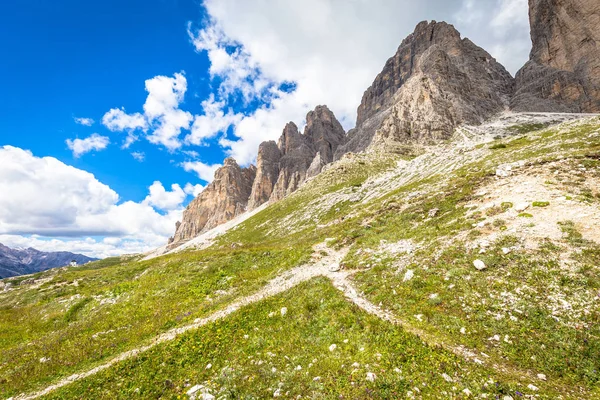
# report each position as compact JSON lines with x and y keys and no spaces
{"x":14,"y":262}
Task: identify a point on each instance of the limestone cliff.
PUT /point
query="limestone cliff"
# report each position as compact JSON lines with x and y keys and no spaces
{"x":222,"y":200}
{"x":304,"y":155}
{"x":563,"y":73}
{"x":267,"y":172}
{"x":435,"y":82}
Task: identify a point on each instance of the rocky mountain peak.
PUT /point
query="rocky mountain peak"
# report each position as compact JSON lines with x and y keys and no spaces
{"x":435,"y":82}
{"x":290,"y":138}
{"x":563,"y":73}
{"x":325,"y":133}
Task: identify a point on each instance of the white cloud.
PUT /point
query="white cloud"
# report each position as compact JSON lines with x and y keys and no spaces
{"x":214,"y":121}
{"x":499,"y":26}
{"x":164,"y":200}
{"x":84,"y":121}
{"x":193,"y":190}
{"x":117,"y":120}
{"x":99,"y":248}
{"x":162,"y":115}
{"x":139,"y":156}
{"x":50,"y":198}
{"x":82,"y":146}
{"x":191,"y":153}
{"x":206,"y":172}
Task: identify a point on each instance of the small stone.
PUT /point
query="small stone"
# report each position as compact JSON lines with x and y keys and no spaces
{"x":505,"y":250}
{"x":467,"y":392}
{"x":541,"y":377}
{"x":355,"y":365}
{"x":283,"y":311}
{"x":479,"y":265}
{"x":277,"y":393}
{"x":433,"y":212}
{"x":209,"y":366}
{"x":408,"y":275}
{"x":371,"y":377}
{"x":298,"y":368}
{"x":316,"y":378}
{"x":532,"y":387}
{"x":463,"y":330}
{"x":502,"y":173}
{"x":194,"y":389}
{"x":447,"y":378}
{"x":520,"y":207}
{"x":333,"y":347}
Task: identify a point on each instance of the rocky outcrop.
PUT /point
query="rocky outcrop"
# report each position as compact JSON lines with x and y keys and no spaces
{"x":305,"y":155}
{"x":324,"y":132}
{"x":267,"y":172}
{"x":563,"y":73}
{"x":222,"y":200}
{"x":281,"y":168}
{"x":297,"y":155}
{"x":435,"y":82}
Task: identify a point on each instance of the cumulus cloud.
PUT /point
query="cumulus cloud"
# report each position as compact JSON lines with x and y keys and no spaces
{"x":499,"y":26}
{"x":117,"y":120}
{"x":139,"y":156}
{"x":206,"y":172}
{"x":162,"y":199}
{"x":52,"y":199}
{"x":162,"y":116}
{"x":214,"y":121}
{"x":91,"y":143}
{"x":193,"y":190}
{"x":84,"y":121}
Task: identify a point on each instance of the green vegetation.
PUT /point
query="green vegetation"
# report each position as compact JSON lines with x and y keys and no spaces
{"x":413,"y":230}
{"x":525,"y":215}
{"x":540,"y":203}
{"x":526,"y":128}
{"x":252,"y":355}
{"x":81,"y":317}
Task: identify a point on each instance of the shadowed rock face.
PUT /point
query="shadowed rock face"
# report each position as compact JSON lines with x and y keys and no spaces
{"x":434,"y":82}
{"x":267,"y":172}
{"x":298,"y":154}
{"x":563,"y":72}
{"x":222,"y":200}
{"x":324,"y":132}
{"x":304,"y":155}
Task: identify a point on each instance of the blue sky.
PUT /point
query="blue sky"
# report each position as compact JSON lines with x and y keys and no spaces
{"x":173,"y":87}
{"x":68,"y":59}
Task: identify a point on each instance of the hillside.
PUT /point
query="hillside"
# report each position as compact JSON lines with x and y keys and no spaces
{"x":363,"y":283}
{"x":14,"y":262}
{"x":446,"y":247}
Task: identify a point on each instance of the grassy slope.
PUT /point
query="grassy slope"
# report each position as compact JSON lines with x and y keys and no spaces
{"x":174,"y":289}
{"x":251,"y":355}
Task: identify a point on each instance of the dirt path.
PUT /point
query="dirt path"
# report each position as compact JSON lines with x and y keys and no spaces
{"x":321,"y":265}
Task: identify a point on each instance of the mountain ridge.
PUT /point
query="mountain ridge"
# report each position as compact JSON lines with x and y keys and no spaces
{"x":436,"y":81}
{"x":15,"y":262}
